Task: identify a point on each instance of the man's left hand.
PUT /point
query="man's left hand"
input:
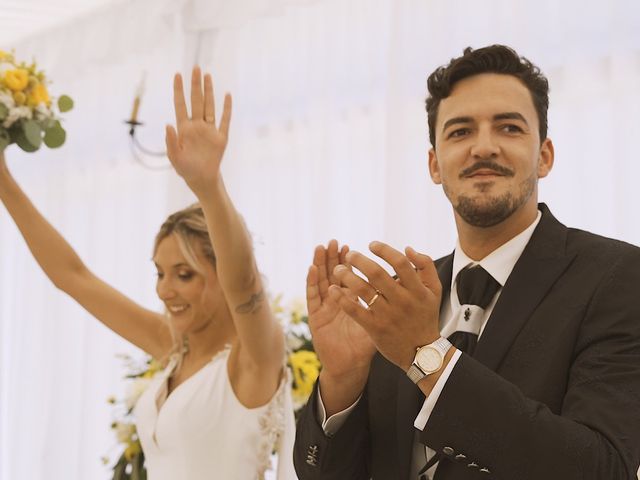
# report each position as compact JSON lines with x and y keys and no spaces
{"x":405,"y":313}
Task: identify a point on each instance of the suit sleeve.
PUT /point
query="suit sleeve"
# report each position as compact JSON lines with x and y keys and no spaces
{"x":344,"y":455}
{"x":483,"y":421}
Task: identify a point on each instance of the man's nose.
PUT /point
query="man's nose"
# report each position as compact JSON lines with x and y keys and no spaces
{"x":485,"y":145}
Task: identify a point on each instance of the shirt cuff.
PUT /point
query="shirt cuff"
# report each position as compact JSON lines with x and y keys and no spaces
{"x":332,"y":424}
{"x":430,"y":402}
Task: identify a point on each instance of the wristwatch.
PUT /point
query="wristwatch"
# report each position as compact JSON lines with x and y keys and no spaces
{"x":428,"y":359}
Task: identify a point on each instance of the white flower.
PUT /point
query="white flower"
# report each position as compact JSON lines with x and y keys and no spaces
{"x":136,"y":388}
{"x":7,"y":99}
{"x":42,"y":112}
{"x":16,"y":114}
{"x":294,"y":343}
{"x":299,"y":329}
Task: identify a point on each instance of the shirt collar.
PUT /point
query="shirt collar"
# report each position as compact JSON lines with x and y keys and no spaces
{"x":501,"y":261}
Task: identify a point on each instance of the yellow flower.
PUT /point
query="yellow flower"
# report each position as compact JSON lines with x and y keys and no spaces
{"x":5,"y":55}
{"x":17,"y":79}
{"x":132,"y":450}
{"x":20,"y":98}
{"x":306,"y":368}
{"x":38,"y":95}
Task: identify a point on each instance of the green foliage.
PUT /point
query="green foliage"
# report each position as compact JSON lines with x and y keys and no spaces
{"x":27,"y":135}
{"x":32,"y":132}
{"x":132,"y":469}
{"x":55,"y":135}
{"x":65,"y":103}
{"x":5,"y":139}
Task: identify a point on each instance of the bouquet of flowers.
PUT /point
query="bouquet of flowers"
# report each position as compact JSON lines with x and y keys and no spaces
{"x":130,"y":463}
{"x":27,"y":113}
{"x":301,"y":356}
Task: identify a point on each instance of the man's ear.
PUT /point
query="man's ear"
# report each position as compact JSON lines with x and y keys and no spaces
{"x":434,"y":167}
{"x":545,"y":161}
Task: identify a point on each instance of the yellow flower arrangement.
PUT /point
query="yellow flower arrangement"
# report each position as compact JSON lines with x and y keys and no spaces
{"x":306,"y":368}
{"x":28,"y":116}
{"x":301,"y":357}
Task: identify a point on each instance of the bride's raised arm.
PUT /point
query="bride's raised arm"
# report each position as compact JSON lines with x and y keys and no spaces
{"x":195,"y":148}
{"x":58,"y":260}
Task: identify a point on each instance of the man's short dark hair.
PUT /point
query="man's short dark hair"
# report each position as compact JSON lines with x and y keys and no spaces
{"x":492,"y":59}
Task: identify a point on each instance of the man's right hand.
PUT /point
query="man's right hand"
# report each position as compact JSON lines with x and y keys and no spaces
{"x":344,"y":347}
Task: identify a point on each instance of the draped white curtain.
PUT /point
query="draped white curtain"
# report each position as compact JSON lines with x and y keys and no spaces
{"x":328,"y":140}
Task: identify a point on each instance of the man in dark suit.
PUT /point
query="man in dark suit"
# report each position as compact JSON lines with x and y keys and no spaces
{"x":543,"y":380}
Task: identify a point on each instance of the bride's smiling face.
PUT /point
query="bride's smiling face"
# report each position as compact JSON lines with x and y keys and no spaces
{"x":191,"y":296}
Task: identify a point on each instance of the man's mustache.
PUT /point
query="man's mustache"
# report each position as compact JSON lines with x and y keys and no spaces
{"x":487,"y":165}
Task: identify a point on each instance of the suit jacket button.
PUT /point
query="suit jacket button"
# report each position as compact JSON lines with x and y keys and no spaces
{"x":448,"y":451}
{"x":473,"y":465}
{"x":461,"y":457}
{"x":312,"y":455}
{"x":485,"y":470}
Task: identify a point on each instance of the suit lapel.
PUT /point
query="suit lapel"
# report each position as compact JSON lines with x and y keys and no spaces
{"x":541,"y":263}
{"x":410,"y":398}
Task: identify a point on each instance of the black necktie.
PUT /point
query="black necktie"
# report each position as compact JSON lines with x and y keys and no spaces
{"x":475,"y":286}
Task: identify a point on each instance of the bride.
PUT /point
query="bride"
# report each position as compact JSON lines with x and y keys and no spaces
{"x":222,"y":403}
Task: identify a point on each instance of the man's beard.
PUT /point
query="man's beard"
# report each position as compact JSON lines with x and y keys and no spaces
{"x":487,"y":212}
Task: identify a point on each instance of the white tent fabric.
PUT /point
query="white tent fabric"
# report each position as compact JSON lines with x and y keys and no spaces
{"x":328,"y":140}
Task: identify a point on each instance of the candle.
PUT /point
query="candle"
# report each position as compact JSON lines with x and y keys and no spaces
{"x":136,"y":100}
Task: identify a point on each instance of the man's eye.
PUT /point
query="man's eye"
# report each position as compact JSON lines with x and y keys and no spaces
{"x":510,"y":128}
{"x":159,"y":275}
{"x":460,"y":132}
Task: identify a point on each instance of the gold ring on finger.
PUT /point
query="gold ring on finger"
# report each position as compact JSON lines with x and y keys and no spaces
{"x":373,"y":300}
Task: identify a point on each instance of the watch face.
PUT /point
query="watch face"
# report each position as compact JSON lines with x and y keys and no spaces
{"x":429,"y":359}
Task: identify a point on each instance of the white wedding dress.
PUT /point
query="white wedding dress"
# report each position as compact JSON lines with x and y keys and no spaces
{"x":202,"y":432}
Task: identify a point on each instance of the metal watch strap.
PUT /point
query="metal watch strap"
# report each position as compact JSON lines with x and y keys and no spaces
{"x":415,"y":373}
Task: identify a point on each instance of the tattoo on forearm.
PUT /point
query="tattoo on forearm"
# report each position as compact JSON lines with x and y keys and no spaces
{"x":252,"y":305}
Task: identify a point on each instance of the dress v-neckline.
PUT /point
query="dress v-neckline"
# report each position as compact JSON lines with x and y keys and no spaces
{"x":163,"y":395}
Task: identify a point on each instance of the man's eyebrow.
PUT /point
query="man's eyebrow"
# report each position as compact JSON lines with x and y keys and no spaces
{"x":498,"y":116}
{"x":454,"y":120}
{"x":510,"y":116}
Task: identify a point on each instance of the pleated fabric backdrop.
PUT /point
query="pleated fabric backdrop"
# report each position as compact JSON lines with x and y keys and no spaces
{"x":328,"y":140}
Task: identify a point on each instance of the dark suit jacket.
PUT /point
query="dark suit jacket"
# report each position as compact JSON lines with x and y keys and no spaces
{"x":552,"y":391}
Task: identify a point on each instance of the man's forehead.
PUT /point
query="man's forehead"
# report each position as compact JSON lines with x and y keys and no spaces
{"x":486,"y":94}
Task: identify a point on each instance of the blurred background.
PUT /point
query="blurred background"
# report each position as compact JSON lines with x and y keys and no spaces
{"x":328,"y":140}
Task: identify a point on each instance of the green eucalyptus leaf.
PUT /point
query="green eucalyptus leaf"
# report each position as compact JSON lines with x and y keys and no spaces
{"x":32,"y":132}
{"x":5,"y":139}
{"x":120,"y":469}
{"x":47,"y":123}
{"x":55,"y":136}
{"x":23,"y":142}
{"x":65,"y":103}
{"x":4,"y":111}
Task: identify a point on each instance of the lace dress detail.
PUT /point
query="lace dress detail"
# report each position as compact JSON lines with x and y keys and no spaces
{"x":272,"y":425}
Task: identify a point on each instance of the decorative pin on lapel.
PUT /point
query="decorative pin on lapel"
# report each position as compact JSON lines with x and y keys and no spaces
{"x":467,"y":314}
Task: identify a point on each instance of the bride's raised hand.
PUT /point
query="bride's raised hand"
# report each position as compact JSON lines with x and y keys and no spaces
{"x":196,"y":145}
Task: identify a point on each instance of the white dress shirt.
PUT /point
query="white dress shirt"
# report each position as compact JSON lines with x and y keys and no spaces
{"x":499,"y":264}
